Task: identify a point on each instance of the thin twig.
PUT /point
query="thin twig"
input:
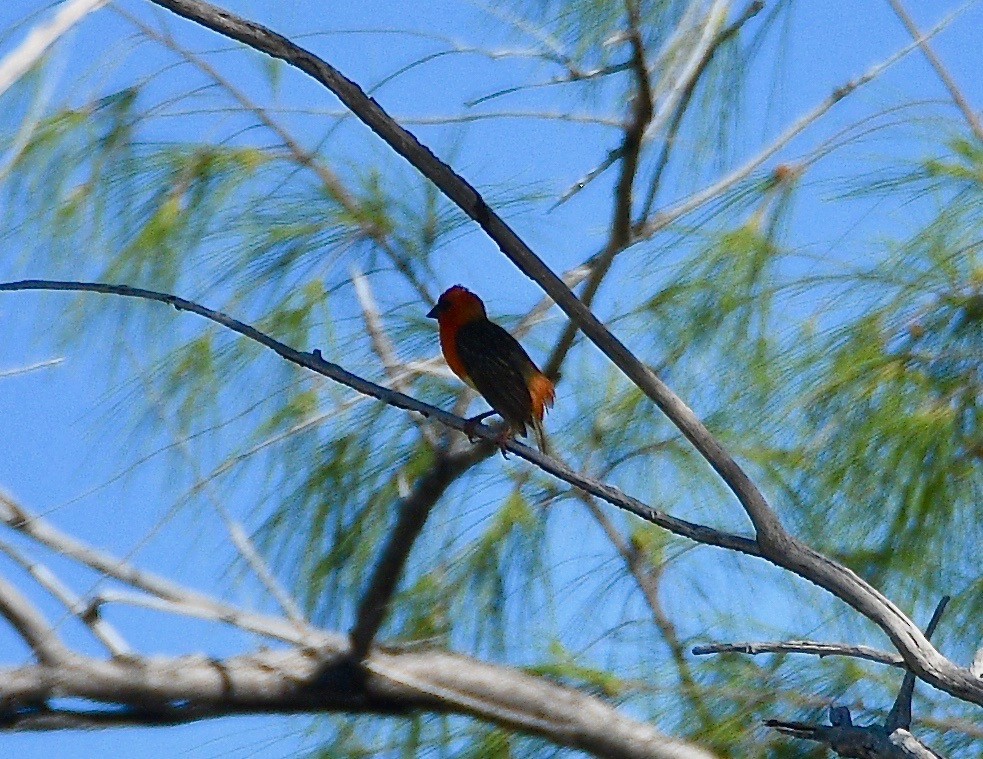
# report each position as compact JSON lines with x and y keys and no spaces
{"x":331,"y":182}
{"x":647,"y":578}
{"x":237,"y":533}
{"x":101,"y":629}
{"x":689,"y":87}
{"x":39,"y":529}
{"x":30,"y":367}
{"x":950,"y":84}
{"x":215,"y":611}
{"x":384,"y":349}
{"x":663,"y":219}
{"x":803,"y":647}
{"x":900,"y":714}
{"x":645,"y":121}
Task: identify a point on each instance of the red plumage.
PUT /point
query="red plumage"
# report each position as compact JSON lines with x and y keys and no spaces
{"x":491,"y":361}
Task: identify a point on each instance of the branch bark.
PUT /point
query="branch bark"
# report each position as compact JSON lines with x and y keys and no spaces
{"x":169,"y":691}
{"x":803,"y":647}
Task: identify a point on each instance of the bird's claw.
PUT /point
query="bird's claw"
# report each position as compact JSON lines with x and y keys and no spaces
{"x":471,"y":425}
{"x":503,"y":440}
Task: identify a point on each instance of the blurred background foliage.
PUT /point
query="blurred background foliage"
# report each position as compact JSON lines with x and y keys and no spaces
{"x":844,"y":370}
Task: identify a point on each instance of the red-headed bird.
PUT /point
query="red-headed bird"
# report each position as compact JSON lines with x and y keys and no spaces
{"x":491,"y":361}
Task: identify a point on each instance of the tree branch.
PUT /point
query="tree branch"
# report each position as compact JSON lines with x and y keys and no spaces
{"x":753,"y":9}
{"x":168,"y":691}
{"x":316,"y":363}
{"x":900,"y":714}
{"x":101,"y":629}
{"x":950,"y":84}
{"x":194,"y":603}
{"x":43,"y":36}
{"x":803,"y":647}
{"x":31,"y":625}
{"x":412,"y":516}
{"x":684,"y":207}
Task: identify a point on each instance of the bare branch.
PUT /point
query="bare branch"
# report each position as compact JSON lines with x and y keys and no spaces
{"x":900,"y":715}
{"x":162,"y":691}
{"x":237,"y":533}
{"x":648,"y":579}
{"x":48,"y":580}
{"x":30,"y":367}
{"x":383,"y":346}
{"x":20,"y":60}
{"x":31,"y":625}
{"x":470,"y":201}
{"x":213,"y":610}
{"x":803,"y":647}
{"x":950,"y":84}
{"x":39,"y":529}
{"x":686,"y":95}
{"x":644,"y":122}
{"x":411,"y":517}
{"x":848,"y":740}
{"x":331,"y":182}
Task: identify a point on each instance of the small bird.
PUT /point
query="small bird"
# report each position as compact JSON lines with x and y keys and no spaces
{"x":491,"y":361}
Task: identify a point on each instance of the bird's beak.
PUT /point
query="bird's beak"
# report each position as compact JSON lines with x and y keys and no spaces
{"x":432,"y":313}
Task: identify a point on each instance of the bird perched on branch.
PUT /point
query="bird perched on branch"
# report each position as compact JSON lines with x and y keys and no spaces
{"x":491,"y":361}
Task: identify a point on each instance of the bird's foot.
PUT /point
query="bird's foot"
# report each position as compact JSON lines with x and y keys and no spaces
{"x":471,"y":425}
{"x":503,"y":439}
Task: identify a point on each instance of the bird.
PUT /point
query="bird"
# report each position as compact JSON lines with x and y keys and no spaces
{"x":487,"y":358}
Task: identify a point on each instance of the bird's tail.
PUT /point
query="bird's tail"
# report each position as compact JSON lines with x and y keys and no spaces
{"x":540,"y":433}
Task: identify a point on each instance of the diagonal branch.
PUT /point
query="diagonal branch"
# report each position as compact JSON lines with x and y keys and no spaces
{"x":101,"y":629}
{"x":237,"y":533}
{"x":648,"y":579}
{"x":663,"y":219}
{"x":331,"y":182}
{"x":316,"y":363}
{"x":900,"y":714}
{"x":21,"y":519}
{"x":411,"y":517}
{"x":42,"y":37}
{"x":672,"y":130}
{"x":629,"y":153}
{"x":950,"y":84}
{"x":31,"y":625}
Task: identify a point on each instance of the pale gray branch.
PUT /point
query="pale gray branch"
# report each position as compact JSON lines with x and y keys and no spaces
{"x":20,"y":60}
{"x":48,"y":580}
{"x":30,"y":367}
{"x":156,"y":691}
{"x":39,"y":529}
{"x":950,"y":84}
{"x":31,"y":625}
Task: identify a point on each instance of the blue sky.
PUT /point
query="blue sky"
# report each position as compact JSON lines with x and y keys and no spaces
{"x":64,"y":441}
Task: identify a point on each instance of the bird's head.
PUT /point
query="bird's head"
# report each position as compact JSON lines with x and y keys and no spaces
{"x":459,"y":305}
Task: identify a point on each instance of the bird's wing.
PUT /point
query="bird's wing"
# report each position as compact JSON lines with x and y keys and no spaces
{"x":500,"y":370}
